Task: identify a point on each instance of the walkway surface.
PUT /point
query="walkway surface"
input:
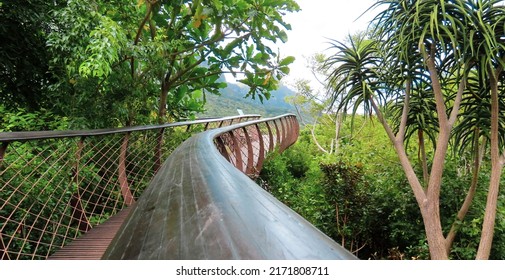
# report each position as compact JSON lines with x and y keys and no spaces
{"x":92,"y":245}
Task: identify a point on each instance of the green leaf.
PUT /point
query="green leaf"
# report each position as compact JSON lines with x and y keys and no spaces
{"x":283,"y":36}
{"x":285,"y":70}
{"x":287,"y":60}
{"x":250,"y":50}
{"x":218,"y":4}
{"x":232,"y":45}
{"x":197,"y":94}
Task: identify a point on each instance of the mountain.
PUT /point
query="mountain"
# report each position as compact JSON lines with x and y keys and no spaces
{"x":233,"y":97}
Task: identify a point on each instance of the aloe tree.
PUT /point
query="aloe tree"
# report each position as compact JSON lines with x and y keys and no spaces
{"x":439,"y":42}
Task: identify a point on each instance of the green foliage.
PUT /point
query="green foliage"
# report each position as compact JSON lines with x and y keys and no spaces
{"x":24,"y":120}
{"x":354,"y":77}
{"x":24,"y":71}
{"x":360,"y":197}
{"x":103,"y":49}
{"x":111,"y":63}
{"x":366,"y":184}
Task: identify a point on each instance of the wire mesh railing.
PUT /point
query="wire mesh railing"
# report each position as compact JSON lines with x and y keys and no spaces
{"x":57,"y":185}
{"x":246,"y":146}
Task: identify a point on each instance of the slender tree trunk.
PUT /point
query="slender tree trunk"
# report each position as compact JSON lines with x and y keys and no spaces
{"x":422,"y":157}
{"x":315,"y":139}
{"x":338,"y":126}
{"x":431,"y":209}
{"x":496,"y":169}
{"x":162,"y":106}
{"x":298,"y":112}
{"x":139,"y":34}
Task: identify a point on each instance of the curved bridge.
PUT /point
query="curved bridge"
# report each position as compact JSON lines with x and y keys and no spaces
{"x":104,"y":194}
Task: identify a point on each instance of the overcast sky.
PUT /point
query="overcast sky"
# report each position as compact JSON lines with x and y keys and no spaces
{"x":317,"y":21}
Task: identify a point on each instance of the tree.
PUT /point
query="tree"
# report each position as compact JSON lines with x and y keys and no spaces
{"x":168,"y":55}
{"x":315,"y":104}
{"x":428,"y":47}
{"x":24,"y":74}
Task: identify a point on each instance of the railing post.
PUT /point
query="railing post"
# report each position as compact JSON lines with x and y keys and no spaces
{"x":237,"y":151}
{"x":78,"y":213}
{"x":283,"y":135}
{"x":261,"y":156}
{"x":289,"y":133}
{"x":3,"y":148}
{"x":222,"y":148}
{"x":123,"y":180}
{"x":277,"y":133}
{"x":270,"y":138}
{"x":295,"y":128}
{"x":249,"y":170}
{"x":287,"y":122}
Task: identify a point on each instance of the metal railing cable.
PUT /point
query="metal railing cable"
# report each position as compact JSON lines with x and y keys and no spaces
{"x":203,"y":204}
{"x":57,"y":185}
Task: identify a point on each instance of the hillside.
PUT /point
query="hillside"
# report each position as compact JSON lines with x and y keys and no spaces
{"x":232,"y":98}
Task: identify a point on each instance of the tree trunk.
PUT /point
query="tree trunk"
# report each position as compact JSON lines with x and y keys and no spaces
{"x":162,"y":106}
{"x":422,"y":157}
{"x":433,"y":228}
{"x":486,"y":239}
{"x":298,"y":112}
{"x":338,"y":126}
{"x":315,"y":138}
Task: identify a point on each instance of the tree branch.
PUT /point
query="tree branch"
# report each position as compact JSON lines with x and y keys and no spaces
{"x":139,"y":33}
{"x":437,"y":90}
{"x":417,"y":188}
{"x":457,"y":102}
{"x":406,"y":106}
{"x":315,"y":139}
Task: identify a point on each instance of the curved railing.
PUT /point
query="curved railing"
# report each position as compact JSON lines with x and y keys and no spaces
{"x":201,"y":204}
{"x":57,"y":185}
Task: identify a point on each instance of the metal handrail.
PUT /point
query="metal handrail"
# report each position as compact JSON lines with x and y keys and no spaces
{"x":38,"y":135}
{"x":202,"y":205}
{"x":57,"y":185}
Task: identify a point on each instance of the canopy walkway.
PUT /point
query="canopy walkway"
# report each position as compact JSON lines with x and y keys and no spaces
{"x":173,"y":191}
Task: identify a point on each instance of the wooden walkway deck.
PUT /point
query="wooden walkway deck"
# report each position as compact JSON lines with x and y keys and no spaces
{"x":92,"y":245}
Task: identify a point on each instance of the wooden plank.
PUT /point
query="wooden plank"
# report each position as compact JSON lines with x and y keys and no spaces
{"x":92,"y":245}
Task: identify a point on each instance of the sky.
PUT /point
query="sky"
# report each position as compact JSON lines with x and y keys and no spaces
{"x":314,"y":26}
